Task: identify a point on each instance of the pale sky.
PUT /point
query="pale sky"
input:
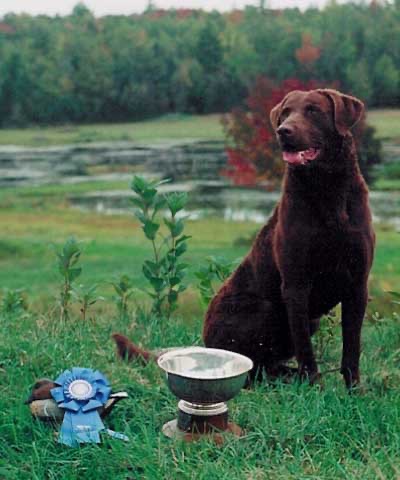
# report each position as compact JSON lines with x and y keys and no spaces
{"x":105,"y":7}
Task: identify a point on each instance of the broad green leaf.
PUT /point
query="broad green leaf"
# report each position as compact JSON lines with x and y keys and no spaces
{"x":177,"y":228}
{"x":174,"y":281}
{"x":169,"y":223}
{"x":172,"y":297}
{"x":152,"y":266}
{"x":141,"y":216}
{"x":147,"y":272}
{"x":117,"y":288}
{"x":395,"y":294}
{"x":125,"y":282}
{"x":182,"y":239}
{"x":181,"y":249}
{"x":150,"y":229}
{"x":152,"y":295}
{"x":176,"y":201}
{"x":157,"y":283}
{"x":137,"y":202}
{"x":139,"y":184}
{"x":149,"y":195}
{"x":74,"y":273}
{"x":74,"y":259}
{"x":182,"y":266}
{"x":158,"y":204}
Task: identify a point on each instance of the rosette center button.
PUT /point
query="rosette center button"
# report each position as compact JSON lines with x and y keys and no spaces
{"x":80,"y":389}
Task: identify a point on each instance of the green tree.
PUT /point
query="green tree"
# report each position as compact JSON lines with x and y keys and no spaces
{"x":359,"y":80}
{"x":386,"y":80}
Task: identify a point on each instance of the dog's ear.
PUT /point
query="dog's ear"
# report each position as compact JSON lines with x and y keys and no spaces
{"x":347,"y":110}
{"x":274,"y":115}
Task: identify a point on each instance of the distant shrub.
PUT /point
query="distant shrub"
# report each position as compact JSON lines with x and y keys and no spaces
{"x":124,"y":290}
{"x":13,"y":301}
{"x":8,"y":249}
{"x":86,"y":297}
{"x":212,"y":274}
{"x":369,"y":149}
{"x":67,"y":260}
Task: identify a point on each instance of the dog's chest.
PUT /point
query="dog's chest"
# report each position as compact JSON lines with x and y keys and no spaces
{"x":328,"y":250}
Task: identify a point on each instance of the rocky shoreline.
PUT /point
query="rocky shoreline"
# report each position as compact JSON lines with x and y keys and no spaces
{"x":178,"y":161}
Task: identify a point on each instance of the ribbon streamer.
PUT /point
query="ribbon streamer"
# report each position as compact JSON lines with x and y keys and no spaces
{"x":81,"y":392}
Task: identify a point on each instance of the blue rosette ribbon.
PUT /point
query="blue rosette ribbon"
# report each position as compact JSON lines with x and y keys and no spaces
{"x":81,"y":392}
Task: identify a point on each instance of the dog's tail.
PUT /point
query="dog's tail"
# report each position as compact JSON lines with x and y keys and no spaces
{"x":129,"y":351}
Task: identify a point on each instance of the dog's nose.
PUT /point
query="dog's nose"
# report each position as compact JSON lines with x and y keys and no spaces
{"x":285,"y":131}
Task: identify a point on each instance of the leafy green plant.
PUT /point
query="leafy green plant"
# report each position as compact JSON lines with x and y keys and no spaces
{"x":165,"y":272}
{"x":216,"y":271}
{"x":86,"y":297}
{"x":13,"y":301}
{"x":67,"y":261}
{"x":396,"y":295}
{"x":325,"y":334}
{"x":124,"y":290}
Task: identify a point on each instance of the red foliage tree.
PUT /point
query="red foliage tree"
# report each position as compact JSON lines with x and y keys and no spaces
{"x":307,"y":54}
{"x":183,"y":13}
{"x":6,"y":28}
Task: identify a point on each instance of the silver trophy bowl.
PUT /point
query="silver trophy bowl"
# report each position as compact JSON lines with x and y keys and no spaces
{"x":203,"y":379}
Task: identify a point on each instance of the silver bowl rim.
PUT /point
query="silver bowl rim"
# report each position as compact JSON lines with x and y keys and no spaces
{"x":172,"y":353}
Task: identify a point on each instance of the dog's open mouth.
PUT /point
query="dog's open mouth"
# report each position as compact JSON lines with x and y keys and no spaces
{"x":301,"y":157}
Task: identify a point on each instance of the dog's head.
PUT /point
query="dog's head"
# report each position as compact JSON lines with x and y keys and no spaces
{"x":308,"y":123}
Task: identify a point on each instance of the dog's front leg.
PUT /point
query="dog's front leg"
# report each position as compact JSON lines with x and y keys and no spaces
{"x":354,"y":303}
{"x":296,"y":300}
{"x":353,"y":311}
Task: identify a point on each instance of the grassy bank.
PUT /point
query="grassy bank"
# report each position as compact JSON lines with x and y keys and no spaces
{"x":386,"y":122}
{"x":34,"y":218}
{"x":170,"y":127}
{"x":291,"y":431}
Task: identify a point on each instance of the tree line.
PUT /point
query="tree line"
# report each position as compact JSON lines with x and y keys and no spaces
{"x":79,"y":68}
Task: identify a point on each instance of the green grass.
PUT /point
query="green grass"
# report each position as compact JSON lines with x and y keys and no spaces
{"x":33,"y":220}
{"x":387,"y":184}
{"x":169,"y":127}
{"x":292,"y":431}
{"x":386,"y":122}
{"x":388,"y":176}
{"x":58,"y":191}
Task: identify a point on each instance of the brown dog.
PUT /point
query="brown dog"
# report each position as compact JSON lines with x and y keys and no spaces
{"x":316,"y":250}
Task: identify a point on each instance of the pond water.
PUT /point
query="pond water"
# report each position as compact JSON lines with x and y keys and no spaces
{"x":215,"y":198}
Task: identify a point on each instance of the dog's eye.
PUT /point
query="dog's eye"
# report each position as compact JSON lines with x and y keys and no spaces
{"x":284,"y":114}
{"x":312,"y":109}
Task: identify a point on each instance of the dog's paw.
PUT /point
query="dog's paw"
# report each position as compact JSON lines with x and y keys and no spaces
{"x":351,"y":379}
{"x":312,"y":377}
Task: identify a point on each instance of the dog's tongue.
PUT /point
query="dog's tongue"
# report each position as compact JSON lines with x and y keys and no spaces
{"x":300,"y":158}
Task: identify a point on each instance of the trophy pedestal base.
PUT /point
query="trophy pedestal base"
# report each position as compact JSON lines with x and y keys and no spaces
{"x":191,"y":427}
